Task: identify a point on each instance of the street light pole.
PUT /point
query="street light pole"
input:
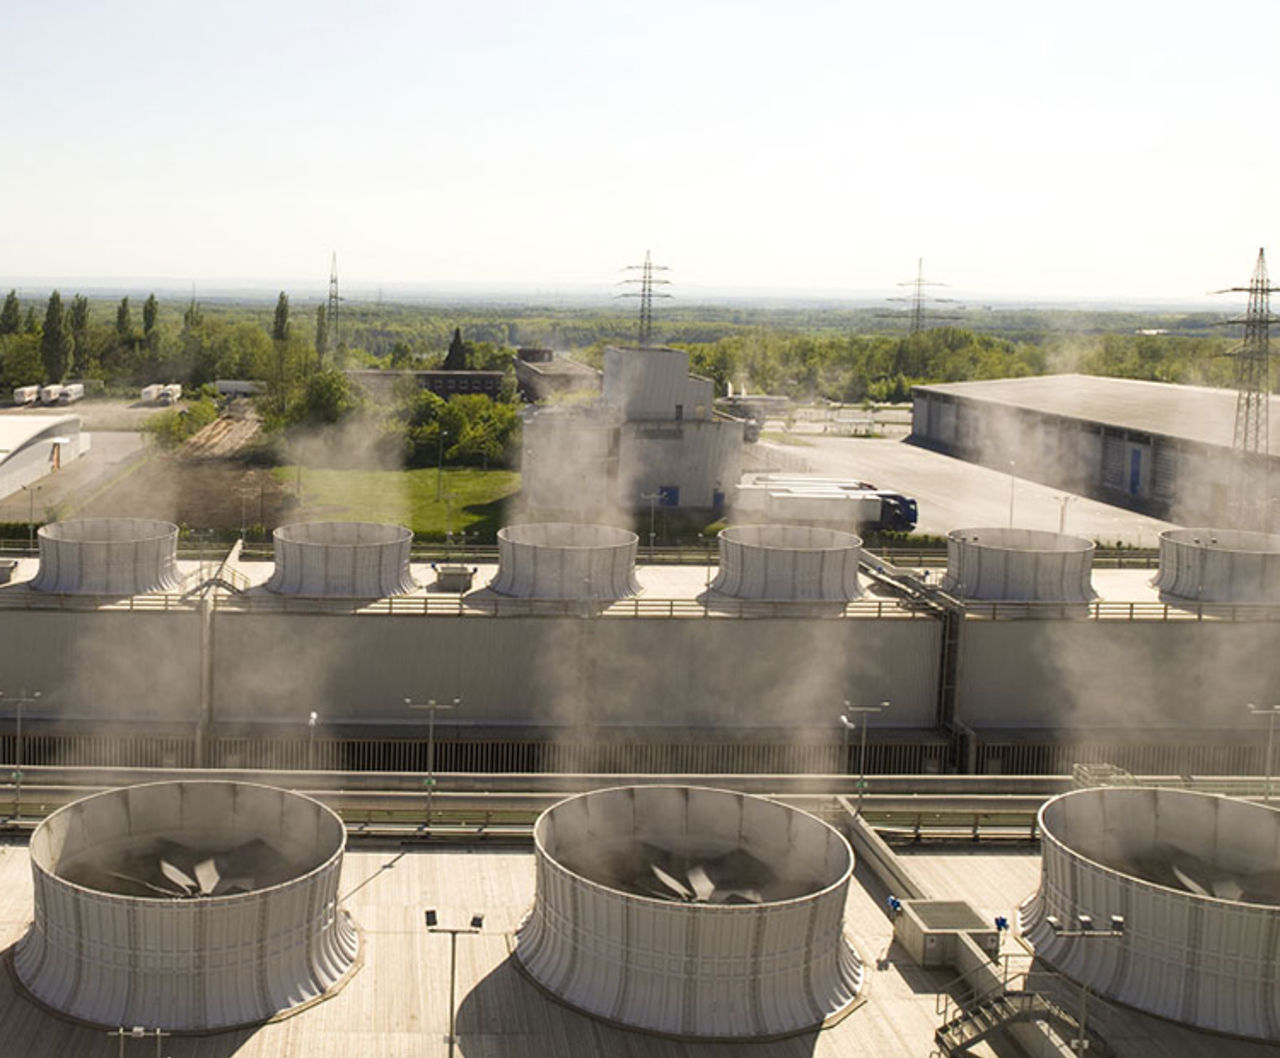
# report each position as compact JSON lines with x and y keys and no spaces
{"x":1085,"y":931}
{"x":653,"y":498}
{"x":1013,"y":481}
{"x":477,"y":923}
{"x":431,"y":705}
{"x":1269,"y":712}
{"x":440,"y":438}
{"x":31,"y":491}
{"x":311,"y":740}
{"x":848,"y":725}
{"x":1062,"y":512}
{"x":138,"y":1033}
{"x":20,"y":701}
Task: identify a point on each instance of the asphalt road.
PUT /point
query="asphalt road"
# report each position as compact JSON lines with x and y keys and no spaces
{"x":953,"y":494}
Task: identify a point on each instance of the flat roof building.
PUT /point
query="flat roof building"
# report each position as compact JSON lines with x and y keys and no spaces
{"x":32,"y":446}
{"x":1159,"y":448}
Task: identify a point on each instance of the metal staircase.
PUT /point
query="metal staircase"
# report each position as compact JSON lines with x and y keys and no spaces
{"x":1028,"y":994}
{"x":993,"y":1014}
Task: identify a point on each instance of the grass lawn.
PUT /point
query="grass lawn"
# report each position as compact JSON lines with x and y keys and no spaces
{"x":406,"y":497}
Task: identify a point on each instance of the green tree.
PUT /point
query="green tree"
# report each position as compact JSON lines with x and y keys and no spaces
{"x":327,"y":398}
{"x":280,"y":326}
{"x":31,"y":325}
{"x":193,"y":317}
{"x":124,"y":321}
{"x":78,"y":321}
{"x":322,"y":334}
{"x":20,"y":360}
{"x":11,"y":314}
{"x":456,"y":358}
{"x":150,"y":309}
{"x":56,"y":342}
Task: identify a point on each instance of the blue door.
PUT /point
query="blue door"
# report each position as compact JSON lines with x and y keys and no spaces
{"x":1135,"y":471}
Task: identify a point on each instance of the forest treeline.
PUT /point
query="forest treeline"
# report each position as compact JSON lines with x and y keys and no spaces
{"x":837,"y":353}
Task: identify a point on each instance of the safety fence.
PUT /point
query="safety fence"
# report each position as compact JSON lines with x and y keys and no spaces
{"x":452,"y":754}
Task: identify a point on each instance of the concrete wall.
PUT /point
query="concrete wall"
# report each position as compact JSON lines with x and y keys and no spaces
{"x":1116,"y":674}
{"x":570,"y":671}
{"x":114,"y":665}
{"x":698,"y":458}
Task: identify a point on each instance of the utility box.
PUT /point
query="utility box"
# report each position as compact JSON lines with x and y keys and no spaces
{"x":452,"y":576}
{"x":928,"y":929}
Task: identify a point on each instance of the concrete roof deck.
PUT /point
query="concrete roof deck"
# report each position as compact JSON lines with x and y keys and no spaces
{"x":995,"y":881}
{"x":1194,"y":413}
{"x":397,"y":1003}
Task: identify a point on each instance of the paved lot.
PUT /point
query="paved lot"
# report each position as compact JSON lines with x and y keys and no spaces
{"x":109,"y":455}
{"x":953,"y":494}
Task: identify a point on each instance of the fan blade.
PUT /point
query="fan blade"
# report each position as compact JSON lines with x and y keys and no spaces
{"x":207,"y":875}
{"x":178,"y":876}
{"x":1188,"y":882}
{"x":1228,"y":889}
{"x":145,"y":884}
{"x":703,"y":886}
{"x":231,"y":884}
{"x":671,"y":883}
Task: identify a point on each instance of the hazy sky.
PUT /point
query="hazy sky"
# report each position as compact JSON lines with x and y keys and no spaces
{"x":1113,"y":149}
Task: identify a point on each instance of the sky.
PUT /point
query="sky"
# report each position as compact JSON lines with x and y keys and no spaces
{"x":1096,"y":150}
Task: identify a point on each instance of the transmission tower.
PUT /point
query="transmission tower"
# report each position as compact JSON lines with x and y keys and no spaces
{"x":1253,"y":362}
{"x":646,"y":294}
{"x":1250,"y":497}
{"x":331,"y":311}
{"x":920,"y":300}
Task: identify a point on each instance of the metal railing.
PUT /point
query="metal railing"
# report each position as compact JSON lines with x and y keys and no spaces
{"x":1105,"y":610}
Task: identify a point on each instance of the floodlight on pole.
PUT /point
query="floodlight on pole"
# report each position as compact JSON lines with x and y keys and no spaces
{"x":23,"y":699}
{"x":848,"y":725}
{"x":1084,"y":930}
{"x":1270,"y":712}
{"x":477,"y":923}
{"x":431,"y":705}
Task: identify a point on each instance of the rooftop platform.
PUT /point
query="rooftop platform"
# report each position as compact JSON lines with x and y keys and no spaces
{"x":397,"y":1003}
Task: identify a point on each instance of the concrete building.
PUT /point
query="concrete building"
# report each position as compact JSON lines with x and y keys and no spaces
{"x":1162,"y":449}
{"x":381,"y":384}
{"x":652,"y":439}
{"x":542,"y":375}
{"x":32,"y":446}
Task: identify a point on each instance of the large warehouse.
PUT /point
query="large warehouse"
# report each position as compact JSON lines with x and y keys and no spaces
{"x":1162,"y":449}
{"x":32,"y":446}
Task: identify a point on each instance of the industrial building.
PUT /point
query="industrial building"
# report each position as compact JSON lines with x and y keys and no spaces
{"x":541,"y":375}
{"x":32,"y":446}
{"x":1162,"y":449}
{"x":1020,"y":658}
{"x":703,"y":915}
{"x":653,"y":439}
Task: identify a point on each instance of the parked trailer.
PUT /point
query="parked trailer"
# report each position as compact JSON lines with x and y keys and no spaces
{"x":71,"y":392}
{"x":49,"y":394}
{"x":151,"y":393}
{"x":236,"y":387}
{"x":170,"y":394}
{"x":26,"y":394}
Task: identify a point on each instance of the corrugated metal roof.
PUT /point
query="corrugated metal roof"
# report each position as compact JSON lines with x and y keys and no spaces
{"x":1194,"y":413}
